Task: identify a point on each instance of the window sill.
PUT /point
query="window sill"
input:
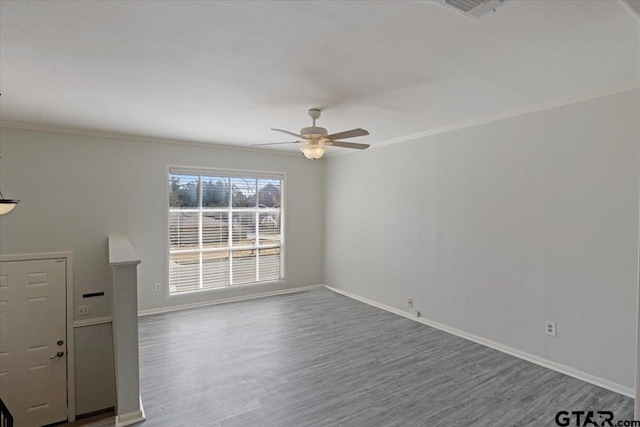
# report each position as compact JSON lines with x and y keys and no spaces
{"x":223,"y":289}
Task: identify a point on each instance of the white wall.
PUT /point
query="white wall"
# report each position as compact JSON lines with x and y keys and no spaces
{"x":75,"y":190}
{"x":495,"y":228}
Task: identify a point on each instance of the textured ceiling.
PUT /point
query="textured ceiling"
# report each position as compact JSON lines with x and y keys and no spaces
{"x":226,"y":72}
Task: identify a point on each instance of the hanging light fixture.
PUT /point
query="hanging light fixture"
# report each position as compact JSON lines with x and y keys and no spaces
{"x":7,"y":205}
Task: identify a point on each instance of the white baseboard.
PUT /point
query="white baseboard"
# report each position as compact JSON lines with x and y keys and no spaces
{"x":131,"y":417}
{"x":558,"y":367}
{"x":225,"y":300}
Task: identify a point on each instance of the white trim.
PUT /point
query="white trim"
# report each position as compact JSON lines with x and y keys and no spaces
{"x":636,"y":12}
{"x":91,"y":322}
{"x":167,"y":230}
{"x":131,"y":417}
{"x":231,"y":173}
{"x":637,"y":396}
{"x":519,"y":112}
{"x":127,"y":137}
{"x":121,"y":253}
{"x":223,"y":173}
{"x":223,"y":289}
{"x":68,"y":257}
{"x":36,"y":256}
{"x":500,"y":116}
{"x":558,"y":367}
{"x":152,"y":311}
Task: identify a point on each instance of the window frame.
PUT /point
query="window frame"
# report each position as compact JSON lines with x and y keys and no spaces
{"x":232,"y":173}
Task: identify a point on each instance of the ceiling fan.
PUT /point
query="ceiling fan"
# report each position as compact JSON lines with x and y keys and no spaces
{"x":316,"y":139}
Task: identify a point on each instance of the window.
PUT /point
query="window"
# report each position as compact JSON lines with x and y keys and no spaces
{"x":225,"y":229}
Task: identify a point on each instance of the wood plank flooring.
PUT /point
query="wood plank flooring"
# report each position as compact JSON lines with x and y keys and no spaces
{"x":321,"y":359}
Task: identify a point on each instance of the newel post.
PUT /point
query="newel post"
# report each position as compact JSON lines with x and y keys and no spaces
{"x":124,"y":261}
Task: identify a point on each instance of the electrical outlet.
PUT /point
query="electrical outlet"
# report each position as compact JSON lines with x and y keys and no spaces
{"x":83,"y":310}
{"x":410,"y":303}
{"x":550,"y":328}
{"x":157,"y":287}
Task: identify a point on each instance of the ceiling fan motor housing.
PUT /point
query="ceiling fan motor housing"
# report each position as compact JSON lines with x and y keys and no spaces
{"x":313,"y":132}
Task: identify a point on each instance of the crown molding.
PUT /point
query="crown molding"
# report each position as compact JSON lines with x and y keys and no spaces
{"x":560,"y":102}
{"x":634,"y":6}
{"x":128,"y":137}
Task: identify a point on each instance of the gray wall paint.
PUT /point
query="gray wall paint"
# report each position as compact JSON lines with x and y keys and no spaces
{"x":496,"y":228}
{"x":75,"y":190}
{"x":94,"y":369}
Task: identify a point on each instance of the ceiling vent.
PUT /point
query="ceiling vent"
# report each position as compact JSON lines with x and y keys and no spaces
{"x":474,"y":7}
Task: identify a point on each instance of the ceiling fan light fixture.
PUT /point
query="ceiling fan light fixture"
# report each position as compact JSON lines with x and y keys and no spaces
{"x":313,"y":151}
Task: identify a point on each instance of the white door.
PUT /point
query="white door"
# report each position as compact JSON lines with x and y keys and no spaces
{"x":33,"y":344}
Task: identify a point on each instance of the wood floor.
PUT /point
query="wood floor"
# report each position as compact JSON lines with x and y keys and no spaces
{"x":321,"y":359}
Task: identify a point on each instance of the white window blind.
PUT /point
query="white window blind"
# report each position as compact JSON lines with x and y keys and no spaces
{"x":224,"y":229}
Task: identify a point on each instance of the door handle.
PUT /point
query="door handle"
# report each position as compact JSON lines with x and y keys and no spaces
{"x":58,"y":355}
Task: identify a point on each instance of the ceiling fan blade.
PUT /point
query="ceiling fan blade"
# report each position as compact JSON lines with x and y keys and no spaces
{"x":288,"y":133}
{"x":275,"y":143}
{"x":349,"y":145}
{"x":348,"y":134}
